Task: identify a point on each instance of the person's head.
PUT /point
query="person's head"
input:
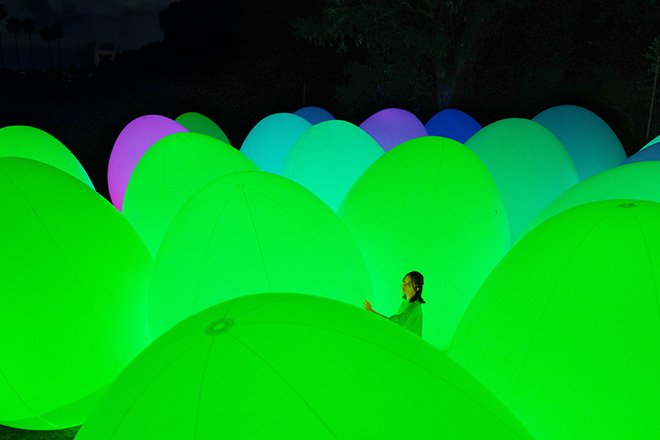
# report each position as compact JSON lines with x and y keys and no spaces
{"x":412,"y":285}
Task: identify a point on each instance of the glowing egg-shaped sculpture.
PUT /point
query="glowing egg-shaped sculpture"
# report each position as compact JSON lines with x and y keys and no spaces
{"x":314,"y":115}
{"x":648,"y":153}
{"x":565,"y":330}
{"x":592,"y":144}
{"x":74,"y":282}
{"x":270,"y":140}
{"x":282,"y":365}
{"x":452,"y":124}
{"x":133,"y":141}
{"x":33,"y":143}
{"x":198,"y":123}
{"x":393,"y":126}
{"x":651,"y":142}
{"x":428,"y":205}
{"x":170,"y":173}
{"x":251,"y":232}
{"x":529,"y":164}
{"x":635,"y":181}
{"x":329,"y":157}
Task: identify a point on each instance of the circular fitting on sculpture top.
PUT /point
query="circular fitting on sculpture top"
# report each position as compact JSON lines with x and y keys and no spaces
{"x":220,"y":326}
{"x":626,"y":205}
{"x":241,"y":185}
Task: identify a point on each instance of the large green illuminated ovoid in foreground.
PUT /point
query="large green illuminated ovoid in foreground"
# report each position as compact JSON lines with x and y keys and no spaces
{"x":74,"y":282}
{"x":253,"y":232}
{"x":566,"y":329}
{"x":169,"y":173}
{"x":291,"y":366}
{"x":33,"y":143}
{"x":429,"y":205}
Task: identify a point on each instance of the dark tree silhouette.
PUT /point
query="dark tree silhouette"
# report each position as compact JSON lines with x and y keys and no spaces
{"x":3,"y":14}
{"x":654,"y":56}
{"x":48,"y":36}
{"x":14,"y":26}
{"x":58,"y":33}
{"x":29,"y":27}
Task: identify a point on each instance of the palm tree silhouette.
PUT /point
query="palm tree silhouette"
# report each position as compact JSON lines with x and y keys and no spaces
{"x":47,"y":35}
{"x":3,"y":14}
{"x":14,"y":26}
{"x":58,"y":33}
{"x":29,"y":28}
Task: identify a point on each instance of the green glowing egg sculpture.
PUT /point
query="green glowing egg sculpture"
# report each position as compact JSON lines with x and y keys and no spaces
{"x":329,"y":157}
{"x":592,"y":144}
{"x":73,"y":306}
{"x":633,"y":181}
{"x":270,"y":140}
{"x":292,"y":366}
{"x":529,"y":164}
{"x":169,"y":173}
{"x":198,"y":123}
{"x":33,"y":143}
{"x":252,"y":232}
{"x":428,"y":205}
{"x":566,"y":329}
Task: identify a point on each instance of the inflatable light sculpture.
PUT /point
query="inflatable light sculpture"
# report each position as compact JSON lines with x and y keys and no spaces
{"x":648,"y":153}
{"x":314,"y":115}
{"x":393,"y":126}
{"x":73,"y":306}
{"x":33,"y":143}
{"x":133,"y":141}
{"x":428,"y":205}
{"x":566,"y":329}
{"x":452,"y":124}
{"x":198,"y":123}
{"x":282,"y":365}
{"x":529,"y":164}
{"x":170,"y":173}
{"x":635,"y":181}
{"x":252,"y":232}
{"x":329,"y":157}
{"x":592,"y":144}
{"x":270,"y":140}
{"x":651,"y":142}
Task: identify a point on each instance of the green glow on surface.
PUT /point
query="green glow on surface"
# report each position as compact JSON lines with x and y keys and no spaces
{"x":430,"y":205}
{"x":270,"y":140}
{"x":592,"y":144}
{"x":73,"y":306}
{"x":287,"y":366}
{"x":566,"y":329}
{"x":198,"y":123}
{"x":33,"y":143}
{"x":529,"y":164}
{"x":329,"y":157}
{"x":253,"y":232}
{"x":640,"y":180}
{"x":169,"y":173}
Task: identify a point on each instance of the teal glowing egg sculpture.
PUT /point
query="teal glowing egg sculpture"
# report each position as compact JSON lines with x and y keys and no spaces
{"x":329,"y":157}
{"x":592,"y":144}
{"x":655,"y":140}
{"x":270,"y":140}
{"x":566,"y":330}
{"x":393,"y":126}
{"x":74,"y":280}
{"x":198,"y":123}
{"x":292,"y":366}
{"x":171,"y":172}
{"x":132,"y":142}
{"x":648,"y":153}
{"x":314,"y":115}
{"x":33,"y":143}
{"x":529,"y":164}
{"x":453,"y":124}
{"x":252,"y":232}
{"x":428,"y":205}
{"x":634,"y":181}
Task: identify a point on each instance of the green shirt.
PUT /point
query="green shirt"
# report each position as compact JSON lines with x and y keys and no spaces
{"x":409,"y":316}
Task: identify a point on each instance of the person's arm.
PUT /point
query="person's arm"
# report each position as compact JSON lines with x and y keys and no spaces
{"x":367,"y":306}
